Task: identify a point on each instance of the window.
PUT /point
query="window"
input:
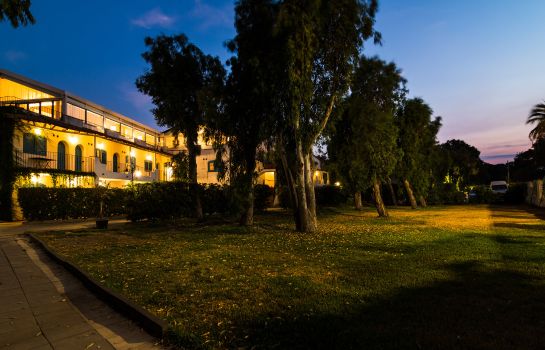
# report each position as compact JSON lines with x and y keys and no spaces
{"x":102,"y":156}
{"x":212,"y":167}
{"x":139,"y":135}
{"x":126,"y":131}
{"x":34,"y":144}
{"x":150,"y":139}
{"x":112,"y":125}
{"x":75,"y":111}
{"x":148,"y":165}
{"x":95,"y":119}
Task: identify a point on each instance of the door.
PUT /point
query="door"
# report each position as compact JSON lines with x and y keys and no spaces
{"x":61,"y":156}
{"x":79,"y":158}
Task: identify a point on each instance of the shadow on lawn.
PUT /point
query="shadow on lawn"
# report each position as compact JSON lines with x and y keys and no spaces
{"x":479,"y":308}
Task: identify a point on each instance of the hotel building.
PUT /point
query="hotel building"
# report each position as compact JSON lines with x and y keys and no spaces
{"x":68,"y":141}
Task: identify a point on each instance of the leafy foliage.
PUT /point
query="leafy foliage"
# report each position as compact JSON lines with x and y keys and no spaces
{"x":40,"y":203}
{"x":537,"y":116}
{"x":17,"y":12}
{"x":363,"y":141}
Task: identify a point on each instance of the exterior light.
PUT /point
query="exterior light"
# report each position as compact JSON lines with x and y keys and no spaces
{"x":37,"y":131}
{"x":149,"y":157}
{"x":72,"y":139}
{"x":337,"y":183}
{"x":34,"y":179}
{"x":316,"y":173}
{"x":133,"y":153}
{"x":137,"y":173}
{"x":100,"y":146}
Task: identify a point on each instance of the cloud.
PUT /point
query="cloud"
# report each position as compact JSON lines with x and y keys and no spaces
{"x":211,"y":16}
{"x":154,"y":18}
{"x":14,"y":56}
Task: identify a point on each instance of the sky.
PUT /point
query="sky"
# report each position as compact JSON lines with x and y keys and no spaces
{"x":480,"y":64}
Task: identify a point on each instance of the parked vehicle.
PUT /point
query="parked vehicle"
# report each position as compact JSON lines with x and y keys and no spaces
{"x":499,"y":187}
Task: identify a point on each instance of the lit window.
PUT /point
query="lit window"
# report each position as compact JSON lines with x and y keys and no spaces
{"x":34,"y":144}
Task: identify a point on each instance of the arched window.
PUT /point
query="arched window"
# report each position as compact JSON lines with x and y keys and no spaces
{"x":61,"y":156}
{"x":115,"y":163}
{"x":79,"y":158}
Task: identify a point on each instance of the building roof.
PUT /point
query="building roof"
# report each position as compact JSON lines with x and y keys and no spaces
{"x":65,"y":94}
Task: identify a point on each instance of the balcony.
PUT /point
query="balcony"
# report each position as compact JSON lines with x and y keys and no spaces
{"x":122,"y":171}
{"x":54,"y":161}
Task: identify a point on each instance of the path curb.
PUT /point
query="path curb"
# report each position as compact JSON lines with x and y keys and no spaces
{"x":151,"y":323}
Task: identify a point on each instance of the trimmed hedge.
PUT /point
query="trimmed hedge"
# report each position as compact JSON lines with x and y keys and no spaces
{"x":326,"y":196}
{"x":39,"y":203}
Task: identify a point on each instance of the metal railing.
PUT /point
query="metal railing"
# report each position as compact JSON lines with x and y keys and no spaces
{"x":126,"y":168}
{"x":53,"y":160}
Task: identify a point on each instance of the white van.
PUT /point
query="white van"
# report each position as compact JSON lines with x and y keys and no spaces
{"x":499,"y":187}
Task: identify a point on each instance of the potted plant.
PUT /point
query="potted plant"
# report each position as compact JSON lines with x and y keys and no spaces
{"x":102,"y":219}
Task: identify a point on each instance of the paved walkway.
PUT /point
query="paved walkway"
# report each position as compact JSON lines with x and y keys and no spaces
{"x":42,"y":306}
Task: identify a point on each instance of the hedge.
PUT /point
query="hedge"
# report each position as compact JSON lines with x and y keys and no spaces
{"x":39,"y":203}
{"x":149,"y":201}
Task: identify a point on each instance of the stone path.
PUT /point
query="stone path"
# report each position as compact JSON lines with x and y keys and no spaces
{"x":42,"y":306}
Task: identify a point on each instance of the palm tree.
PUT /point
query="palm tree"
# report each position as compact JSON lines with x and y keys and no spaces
{"x":537,"y":115}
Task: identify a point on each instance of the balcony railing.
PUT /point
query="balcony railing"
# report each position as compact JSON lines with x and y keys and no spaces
{"x":43,"y":106}
{"x":54,"y":160}
{"x":126,"y":168}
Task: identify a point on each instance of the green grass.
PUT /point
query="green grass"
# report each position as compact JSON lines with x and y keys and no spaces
{"x":442,"y":278}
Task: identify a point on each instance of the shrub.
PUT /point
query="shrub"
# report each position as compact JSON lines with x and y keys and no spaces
{"x":446,"y":194}
{"x":263,"y":197}
{"x":483,"y":195}
{"x":40,"y":203}
{"x":516,"y":193}
{"x":330,"y":196}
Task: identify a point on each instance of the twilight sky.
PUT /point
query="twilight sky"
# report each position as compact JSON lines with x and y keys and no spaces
{"x":480,"y":64}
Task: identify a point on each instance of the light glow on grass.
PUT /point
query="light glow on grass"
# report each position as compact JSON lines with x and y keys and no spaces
{"x":428,"y":277}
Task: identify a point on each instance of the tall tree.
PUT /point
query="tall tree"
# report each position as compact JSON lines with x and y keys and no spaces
{"x":17,"y":12}
{"x":363,"y":144}
{"x":320,"y":42}
{"x":413,"y":121}
{"x":185,"y":86}
{"x":248,"y":118}
{"x":537,"y":116}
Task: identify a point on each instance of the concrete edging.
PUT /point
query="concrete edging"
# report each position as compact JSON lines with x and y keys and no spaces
{"x":151,"y":323}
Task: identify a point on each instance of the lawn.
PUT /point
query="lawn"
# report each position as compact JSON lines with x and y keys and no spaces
{"x":442,"y":278}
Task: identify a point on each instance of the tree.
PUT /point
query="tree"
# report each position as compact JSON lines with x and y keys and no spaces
{"x":185,"y":85}
{"x":537,"y":116}
{"x":248,"y":118}
{"x":17,"y":12}
{"x":319,"y":42}
{"x":463,"y":162}
{"x":363,"y":144}
{"x":416,"y":133}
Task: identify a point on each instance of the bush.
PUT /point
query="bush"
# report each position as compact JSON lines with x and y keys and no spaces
{"x":446,"y":194}
{"x":516,"y":194}
{"x":40,"y":203}
{"x":483,"y":195}
{"x":159,"y":200}
{"x":263,"y":197}
{"x":330,"y":196}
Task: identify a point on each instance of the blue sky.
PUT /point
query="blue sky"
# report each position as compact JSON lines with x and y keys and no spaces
{"x":480,"y":64}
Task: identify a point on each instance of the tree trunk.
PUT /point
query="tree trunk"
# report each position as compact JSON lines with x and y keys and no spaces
{"x":422,"y":201}
{"x":392,"y":192}
{"x":309,"y":189}
{"x":381,"y":208}
{"x":410,"y":193}
{"x":193,"y":152}
{"x":357,"y":200}
{"x":247,"y":217}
